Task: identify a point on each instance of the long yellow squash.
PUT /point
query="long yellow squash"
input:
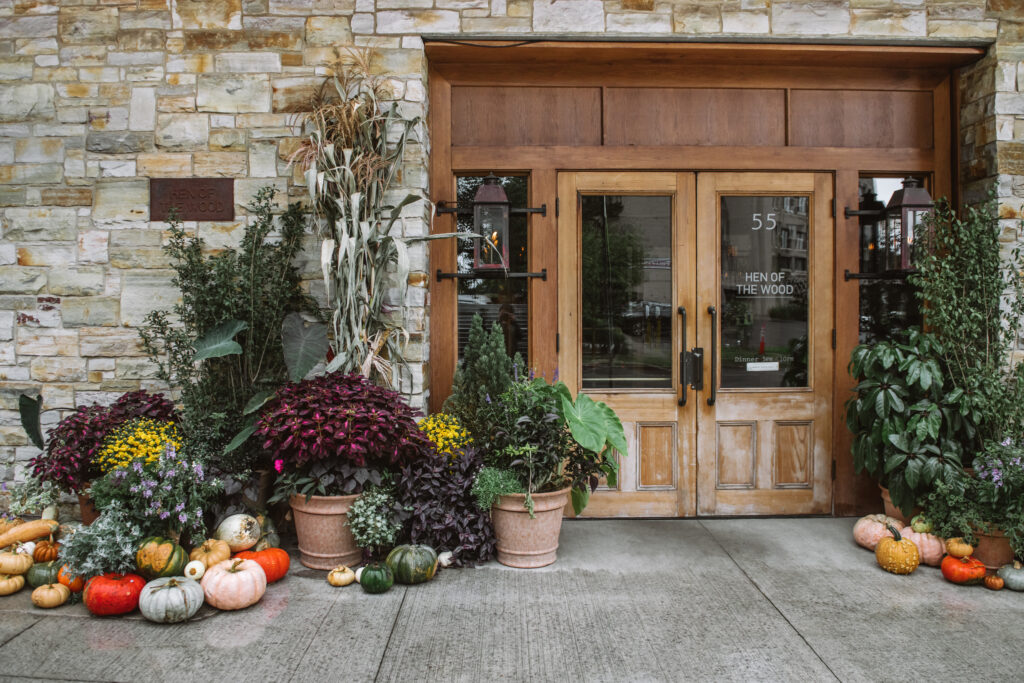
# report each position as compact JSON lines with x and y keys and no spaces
{"x":29,"y":531}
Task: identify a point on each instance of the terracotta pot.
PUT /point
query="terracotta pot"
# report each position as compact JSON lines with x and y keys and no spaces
{"x":993,"y":549}
{"x":894,"y":511}
{"x":524,"y":542}
{"x":87,"y":509}
{"x":325,"y":541}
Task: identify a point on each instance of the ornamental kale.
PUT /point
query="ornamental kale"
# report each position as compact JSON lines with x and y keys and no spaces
{"x":339,"y":427}
{"x":69,"y":459}
{"x":437,"y":490}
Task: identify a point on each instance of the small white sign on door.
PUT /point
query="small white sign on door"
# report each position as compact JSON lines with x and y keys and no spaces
{"x":763,"y":367}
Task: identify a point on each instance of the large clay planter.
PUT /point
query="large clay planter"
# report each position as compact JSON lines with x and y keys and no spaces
{"x":524,"y":542}
{"x":993,"y":549}
{"x":894,"y":511}
{"x":87,"y":509}
{"x":325,"y":541}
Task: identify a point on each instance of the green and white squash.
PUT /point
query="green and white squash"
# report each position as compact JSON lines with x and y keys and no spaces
{"x":171,"y":599}
{"x":157,"y":557}
{"x":43,"y":573}
{"x":1012,"y":575}
{"x":376,"y":578}
{"x":412,"y":563}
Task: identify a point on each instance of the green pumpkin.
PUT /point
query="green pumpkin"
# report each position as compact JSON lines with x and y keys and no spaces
{"x":1011,"y":574}
{"x":42,"y":573}
{"x":412,"y":563}
{"x":376,"y":578}
{"x":269,"y":537}
{"x":157,"y":557}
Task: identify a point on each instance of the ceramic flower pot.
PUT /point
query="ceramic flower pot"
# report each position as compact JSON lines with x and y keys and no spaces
{"x":86,"y":508}
{"x":894,"y":511}
{"x":325,"y":540}
{"x":524,"y":542}
{"x":993,"y":549}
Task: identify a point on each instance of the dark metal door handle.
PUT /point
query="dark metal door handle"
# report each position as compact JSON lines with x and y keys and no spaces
{"x":682,"y":356}
{"x":714,"y":355}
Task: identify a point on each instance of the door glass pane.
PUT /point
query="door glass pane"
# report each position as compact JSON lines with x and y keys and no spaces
{"x":626,"y":285}
{"x":498,"y":300}
{"x":765,"y":252}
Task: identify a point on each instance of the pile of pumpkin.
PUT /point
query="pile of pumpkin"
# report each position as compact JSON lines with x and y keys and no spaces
{"x":900,"y":549}
{"x":229,"y":571}
{"x":405,"y":564}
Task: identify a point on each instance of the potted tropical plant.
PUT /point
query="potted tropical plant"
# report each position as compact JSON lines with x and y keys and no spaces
{"x":542,"y":448}
{"x":330,"y":437}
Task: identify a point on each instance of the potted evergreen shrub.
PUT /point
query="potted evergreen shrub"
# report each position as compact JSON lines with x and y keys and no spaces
{"x":330,"y":437}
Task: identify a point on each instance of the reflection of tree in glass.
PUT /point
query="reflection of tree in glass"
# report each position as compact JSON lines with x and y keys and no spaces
{"x":796,"y":373}
{"x":612,"y":268}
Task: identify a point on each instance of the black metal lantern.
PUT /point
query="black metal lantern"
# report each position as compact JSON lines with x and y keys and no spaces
{"x":903,"y":217}
{"x":872,"y":232}
{"x":490,"y":221}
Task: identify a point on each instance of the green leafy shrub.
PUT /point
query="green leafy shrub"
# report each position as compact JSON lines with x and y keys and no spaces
{"x":106,"y":545}
{"x":492,"y":483}
{"x":371,"y":518}
{"x":233,"y":303}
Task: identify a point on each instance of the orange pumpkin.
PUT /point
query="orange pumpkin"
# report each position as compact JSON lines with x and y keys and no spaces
{"x":74,"y":583}
{"x":275,"y":562}
{"x":958,"y":547}
{"x":869,"y":530}
{"x":46,"y":551}
{"x":993,"y":582}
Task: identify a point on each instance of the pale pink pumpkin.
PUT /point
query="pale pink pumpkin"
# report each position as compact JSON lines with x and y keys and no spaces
{"x":929,"y":546}
{"x":234,"y":584}
{"x":869,"y":530}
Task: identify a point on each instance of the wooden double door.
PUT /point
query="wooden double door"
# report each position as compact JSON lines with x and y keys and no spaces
{"x":700,"y":308}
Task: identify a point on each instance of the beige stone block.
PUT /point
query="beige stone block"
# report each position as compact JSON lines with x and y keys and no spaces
{"x":328,"y":31}
{"x":165,"y":165}
{"x":90,"y":311}
{"x":112,"y":119}
{"x":750,"y":22}
{"x":818,"y":17}
{"x":196,"y":64}
{"x":142,"y":237}
{"x":45,"y":255}
{"x":274,"y":40}
{"x":92,"y":246}
{"x":425,"y":21}
{"x":322,"y":56}
{"x":263,"y":159}
{"x":568,"y":16}
{"x":99,"y":74}
{"x":362,"y":23}
{"x":294,"y":94}
{"x":47,"y":342}
{"x":217,"y":235}
{"x":953,"y":28}
{"x":141,"y":39}
{"x":496,"y":25}
{"x":135,"y":368}
{"x":180,"y":104}
{"x":404,"y":4}
{"x":214,"y":41}
{"x":219,"y":164}
{"x":143,"y":292}
{"x":109,"y":342}
{"x":227,"y":140}
{"x":26,"y":101}
{"x":233,"y":94}
{"x":397,"y":63}
{"x":207,"y":14}
{"x":36,"y":224}
{"x":28,"y":27}
{"x":22,"y":68}
{"x":58,"y":369}
{"x":182,"y":131}
{"x":58,"y":396}
{"x":18,"y":280}
{"x":139,"y":19}
{"x":121,"y":201}
{"x":143,"y":109}
{"x":888,"y":22}
{"x":80,"y":25}
{"x":1009,"y":103}
{"x":139,"y":257}
{"x":263,"y":120}
{"x":638,"y":22}
{"x":246,"y":188}
{"x":80,"y":281}
{"x":249,"y":62}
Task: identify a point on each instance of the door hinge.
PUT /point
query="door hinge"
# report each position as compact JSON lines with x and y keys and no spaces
{"x":557,"y":202}
{"x":558,"y":341}
{"x":833,"y":338}
{"x":833,"y":470}
{"x":833,"y":207}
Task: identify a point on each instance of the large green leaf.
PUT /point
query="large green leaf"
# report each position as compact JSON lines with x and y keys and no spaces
{"x":220,"y":341}
{"x":305,"y":345}
{"x":580,"y":498}
{"x":30,"y":408}
{"x":586,"y":422}
{"x":257,"y":402}
{"x":241,"y":436}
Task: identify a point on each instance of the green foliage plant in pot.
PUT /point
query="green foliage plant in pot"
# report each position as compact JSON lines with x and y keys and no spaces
{"x":555,"y":447}
{"x":905,"y":418}
{"x":330,"y":437}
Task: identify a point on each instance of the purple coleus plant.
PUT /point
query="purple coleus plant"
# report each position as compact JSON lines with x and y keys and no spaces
{"x":339,"y":419}
{"x":72,"y":445}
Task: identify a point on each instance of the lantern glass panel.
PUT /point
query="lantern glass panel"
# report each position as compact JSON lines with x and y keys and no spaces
{"x":491,"y":221}
{"x":498,"y":300}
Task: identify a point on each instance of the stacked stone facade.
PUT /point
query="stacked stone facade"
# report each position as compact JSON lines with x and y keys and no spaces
{"x":97,"y":96}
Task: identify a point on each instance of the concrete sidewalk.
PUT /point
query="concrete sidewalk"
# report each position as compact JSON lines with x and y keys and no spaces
{"x":629,"y":600}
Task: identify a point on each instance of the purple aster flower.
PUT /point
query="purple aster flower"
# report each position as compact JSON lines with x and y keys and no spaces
{"x":182,"y":517}
{"x":134,"y":489}
{"x":165,"y":514}
{"x":170,"y":473}
{"x":198,"y":469}
{"x":180,"y":507}
{"x":147,"y":494}
{"x":1007,"y":441}
{"x":137,"y":466}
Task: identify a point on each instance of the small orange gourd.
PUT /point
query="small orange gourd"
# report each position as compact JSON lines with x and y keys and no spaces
{"x":958,"y":547}
{"x":211,"y":552}
{"x":46,"y":551}
{"x":993,"y":582}
{"x":897,"y":555}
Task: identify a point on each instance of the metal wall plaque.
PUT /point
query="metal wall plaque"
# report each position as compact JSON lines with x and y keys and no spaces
{"x":196,"y":199}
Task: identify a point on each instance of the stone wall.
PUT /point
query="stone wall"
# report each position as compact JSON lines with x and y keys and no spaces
{"x":96,"y":96}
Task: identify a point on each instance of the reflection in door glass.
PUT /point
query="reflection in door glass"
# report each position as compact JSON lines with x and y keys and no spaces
{"x":626,"y":287}
{"x":500,"y":300}
{"x":764,"y":304}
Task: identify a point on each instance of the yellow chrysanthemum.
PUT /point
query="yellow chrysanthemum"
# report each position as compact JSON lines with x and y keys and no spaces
{"x":447,"y":434}
{"x":141,"y":439}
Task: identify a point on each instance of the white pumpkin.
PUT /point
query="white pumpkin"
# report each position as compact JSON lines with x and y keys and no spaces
{"x":445,"y":559}
{"x":26,"y":548}
{"x":194,"y":570}
{"x":171,"y":599}
{"x":240,"y":532}
{"x":359,"y":574}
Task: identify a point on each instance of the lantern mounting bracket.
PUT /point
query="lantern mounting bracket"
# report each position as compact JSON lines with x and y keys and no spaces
{"x":496,"y":274}
{"x":850,"y":213}
{"x":442,"y":208}
{"x":889,"y":275}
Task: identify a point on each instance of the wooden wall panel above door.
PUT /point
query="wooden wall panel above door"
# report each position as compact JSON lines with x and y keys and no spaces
{"x":514,"y":116}
{"x":695,"y":116}
{"x":861,"y":118}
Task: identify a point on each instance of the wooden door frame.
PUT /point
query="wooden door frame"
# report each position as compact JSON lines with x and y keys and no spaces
{"x":735,"y":65}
